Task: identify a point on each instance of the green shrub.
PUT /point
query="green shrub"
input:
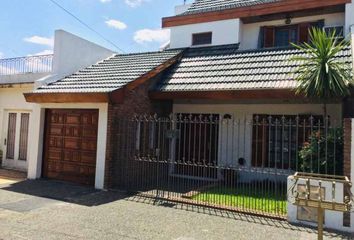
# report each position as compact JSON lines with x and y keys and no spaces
{"x":321,"y":154}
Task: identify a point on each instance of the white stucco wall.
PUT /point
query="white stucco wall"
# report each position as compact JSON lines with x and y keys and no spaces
{"x":72,"y":53}
{"x":21,"y":78}
{"x":349,"y":17}
{"x":12,"y":99}
{"x":37,"y":131}
{"x":250,"y":32}
{"x":224,"y":32}
{"x":231,"y":148}
{"x":234,"y":31}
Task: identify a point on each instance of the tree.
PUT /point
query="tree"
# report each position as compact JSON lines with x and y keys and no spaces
{"x":321,"y":74}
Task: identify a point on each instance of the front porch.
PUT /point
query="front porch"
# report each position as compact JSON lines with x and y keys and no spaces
{"x":266,"y":136}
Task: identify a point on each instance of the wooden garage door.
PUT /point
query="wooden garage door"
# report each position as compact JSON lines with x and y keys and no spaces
{"x":71,"y":145}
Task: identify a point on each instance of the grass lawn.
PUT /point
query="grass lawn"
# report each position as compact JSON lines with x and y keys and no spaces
{"x":246,"y":197}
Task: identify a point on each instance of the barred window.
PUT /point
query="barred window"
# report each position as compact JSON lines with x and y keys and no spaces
{"x":202,"y":38}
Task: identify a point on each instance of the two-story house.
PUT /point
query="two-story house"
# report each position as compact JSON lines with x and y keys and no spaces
{"x":238,"y":66}
{"x":229,"y":59}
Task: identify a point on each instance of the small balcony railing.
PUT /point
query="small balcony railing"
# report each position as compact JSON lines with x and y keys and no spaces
{"x":23,"y":65}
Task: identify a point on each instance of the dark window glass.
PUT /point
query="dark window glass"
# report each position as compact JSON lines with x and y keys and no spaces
{"x":277,"y":139}
{"x":202,"y":38}
{"x":338,"y":31}
{"x":285,"y":35}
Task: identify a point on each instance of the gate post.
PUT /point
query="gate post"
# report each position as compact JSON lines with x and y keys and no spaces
{"x":348,"y":163}
{"x":334,"y":220}
{"x":347,"y":137}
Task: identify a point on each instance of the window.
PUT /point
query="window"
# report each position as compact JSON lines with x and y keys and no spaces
{"x":202,"y":38}
{"x":283,"y":36}
{"x":339,"y":31}
{"x":276,"y":140}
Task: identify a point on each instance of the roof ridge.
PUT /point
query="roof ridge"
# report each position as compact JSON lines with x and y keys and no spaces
{"x":148,"y":52}
{"x":202,"y":6}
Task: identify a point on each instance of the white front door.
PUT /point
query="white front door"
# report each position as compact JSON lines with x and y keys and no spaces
{"x":16,"y":140}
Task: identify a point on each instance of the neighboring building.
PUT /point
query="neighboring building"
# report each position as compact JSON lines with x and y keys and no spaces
{"x":19,"y":75}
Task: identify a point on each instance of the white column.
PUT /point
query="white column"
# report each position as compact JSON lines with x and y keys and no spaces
{"x":35,"y":143}
{"x":101,"y":147}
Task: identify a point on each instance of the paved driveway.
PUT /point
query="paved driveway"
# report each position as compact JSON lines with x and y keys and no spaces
{"x":54,"y":210}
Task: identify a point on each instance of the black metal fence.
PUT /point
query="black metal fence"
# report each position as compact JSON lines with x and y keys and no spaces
{"x":224,"y":162}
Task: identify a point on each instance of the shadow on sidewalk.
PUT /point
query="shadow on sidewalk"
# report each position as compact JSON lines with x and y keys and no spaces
{"x":237,"y":216}
{"x":65,"y":192}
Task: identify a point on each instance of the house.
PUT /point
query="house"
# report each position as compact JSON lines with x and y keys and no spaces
{"x":228,"y":59}
{"x":20,"y":75}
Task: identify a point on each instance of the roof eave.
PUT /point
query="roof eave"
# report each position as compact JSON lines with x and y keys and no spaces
{"x":250,"y":11}
{"x":226,"y":94}
{"x":67,"y":97}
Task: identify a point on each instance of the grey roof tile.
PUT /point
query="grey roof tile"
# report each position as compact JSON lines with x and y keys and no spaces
{"x":227,"y":68}
{"x":110,"y":74}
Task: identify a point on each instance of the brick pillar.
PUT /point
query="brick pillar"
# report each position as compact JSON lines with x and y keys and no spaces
{"x":347,"y":137}
{"x":347,"y":147}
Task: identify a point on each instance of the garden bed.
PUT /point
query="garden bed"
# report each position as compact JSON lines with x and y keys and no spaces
{"x":244,"y":197}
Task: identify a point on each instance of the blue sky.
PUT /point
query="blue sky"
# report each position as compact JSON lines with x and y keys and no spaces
{"x":27,"y":26}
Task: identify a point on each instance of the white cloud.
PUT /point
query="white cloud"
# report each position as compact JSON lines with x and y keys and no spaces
{"x":40,"y":40}
{"x":116,"y":24}
{"x":105,"y":1}
{"x":1,"y":55}
{"x":135,"y":3}
{"x":44,"y":52}
{"x":152,"y":35}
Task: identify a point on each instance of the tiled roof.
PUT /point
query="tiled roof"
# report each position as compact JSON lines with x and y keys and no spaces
{"x":226,"y":68}
{"x":110,"y":74}
{"x":200,"y":6}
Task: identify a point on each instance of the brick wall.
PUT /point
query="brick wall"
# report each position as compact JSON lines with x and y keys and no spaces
{"x":347,"y":146}
{"x":347,"y":160}
{"x":136,"y":101}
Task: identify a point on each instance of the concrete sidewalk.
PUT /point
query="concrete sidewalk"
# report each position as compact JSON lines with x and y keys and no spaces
{"x":54,"y":210}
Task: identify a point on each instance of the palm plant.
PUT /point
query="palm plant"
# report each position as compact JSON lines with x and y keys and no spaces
{"x":321,"y":74}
